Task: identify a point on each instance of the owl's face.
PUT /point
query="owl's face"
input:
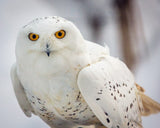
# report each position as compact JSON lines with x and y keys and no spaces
{"x":47,"y":36}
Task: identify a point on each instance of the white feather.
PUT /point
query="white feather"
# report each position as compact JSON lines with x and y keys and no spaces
{"x":101,"y":85}
{"x":20,"y":94}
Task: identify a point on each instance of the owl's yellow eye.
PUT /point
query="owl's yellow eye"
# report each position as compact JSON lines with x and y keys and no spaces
{"x":60,"y":34}
{"x":33,"y":36}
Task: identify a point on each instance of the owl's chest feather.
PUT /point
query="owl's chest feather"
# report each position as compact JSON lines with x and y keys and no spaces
{"x":54,"y":94}
{"x":59,"y":97}
{"x":71,"y":106}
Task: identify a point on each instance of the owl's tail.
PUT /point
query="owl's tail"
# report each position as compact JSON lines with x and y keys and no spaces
{"x":147,"y":106}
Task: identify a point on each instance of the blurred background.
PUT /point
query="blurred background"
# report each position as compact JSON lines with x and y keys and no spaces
{"x":131,"y":29}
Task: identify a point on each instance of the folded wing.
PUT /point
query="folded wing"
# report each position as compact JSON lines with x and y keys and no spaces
{"x":109,"y":89}
{"x":20,"y":94}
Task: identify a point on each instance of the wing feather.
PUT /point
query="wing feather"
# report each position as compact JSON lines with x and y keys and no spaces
{"x":109,"y":89}
{"x":20,"y":94}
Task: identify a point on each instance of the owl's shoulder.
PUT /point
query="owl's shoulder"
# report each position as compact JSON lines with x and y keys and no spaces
{"x":96,"y":51}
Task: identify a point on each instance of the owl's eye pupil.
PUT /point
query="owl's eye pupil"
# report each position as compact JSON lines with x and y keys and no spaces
{"x":59,"y":34}
{"x":34,"y":36}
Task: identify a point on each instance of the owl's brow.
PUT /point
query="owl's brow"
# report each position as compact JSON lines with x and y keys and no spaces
{"x":37,"y":20}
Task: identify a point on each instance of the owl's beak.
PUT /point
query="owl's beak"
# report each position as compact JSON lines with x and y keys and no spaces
{"x":47,"y":51}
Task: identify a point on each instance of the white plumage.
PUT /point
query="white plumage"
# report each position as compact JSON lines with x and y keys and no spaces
{"x":69,"y":81}
{"x":112,"y":93}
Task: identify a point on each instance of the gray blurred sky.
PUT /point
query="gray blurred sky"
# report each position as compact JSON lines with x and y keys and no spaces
{"x":16,"y":13}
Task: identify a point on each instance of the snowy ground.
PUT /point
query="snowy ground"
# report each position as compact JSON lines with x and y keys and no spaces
{"x":16,"y":13}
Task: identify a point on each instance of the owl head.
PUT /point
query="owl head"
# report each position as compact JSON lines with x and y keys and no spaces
{"x":48,"y":35}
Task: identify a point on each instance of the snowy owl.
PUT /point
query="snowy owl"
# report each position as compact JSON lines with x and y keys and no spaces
{"x":68,"y":81}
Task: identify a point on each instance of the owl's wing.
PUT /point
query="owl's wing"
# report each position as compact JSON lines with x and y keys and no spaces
{"x":20,"y":94}
{"x":147,"y":105}
{"x":108,"y":88}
